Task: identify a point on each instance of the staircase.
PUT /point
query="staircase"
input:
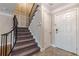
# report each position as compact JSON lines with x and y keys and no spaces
{"x":25,"y":44}
{"x":21,"y":42}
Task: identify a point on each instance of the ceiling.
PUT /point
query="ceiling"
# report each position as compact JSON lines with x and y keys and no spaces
{"x":20,"y":8}
{"x":53,"y":6}
{"x":7,"y":7}
{"x":23,"y":8}
{"x":57,"y":5}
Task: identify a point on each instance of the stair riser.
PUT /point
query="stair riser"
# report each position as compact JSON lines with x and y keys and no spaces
{"x":33,"y":52}
{"x":23,"y":33}
{"x":23,"y":30}
{"x":15,"y":52}
{"x":25,"y":38}
{"x":21,"y":38}
{"x":26,"y":42}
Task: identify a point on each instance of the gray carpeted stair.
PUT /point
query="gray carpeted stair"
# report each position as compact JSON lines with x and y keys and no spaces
{"x":25,"y":44}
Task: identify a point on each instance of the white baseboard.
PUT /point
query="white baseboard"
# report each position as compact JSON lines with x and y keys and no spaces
{"x":42,"y":49}
{"x":53,"y":45}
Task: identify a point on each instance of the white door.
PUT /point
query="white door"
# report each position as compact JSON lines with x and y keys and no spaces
{"x":47,"y":29}
{"x":65,"y":30}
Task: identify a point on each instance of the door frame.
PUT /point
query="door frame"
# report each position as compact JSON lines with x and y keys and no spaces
{"x":44,"y":9}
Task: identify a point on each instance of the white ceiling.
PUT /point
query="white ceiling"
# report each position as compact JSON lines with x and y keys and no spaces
{"x":57,"y":5}
{"x":52,"y":6}
{"x":7,"y":7}
{"x":10,"y":7}
{"x":23,"y":9}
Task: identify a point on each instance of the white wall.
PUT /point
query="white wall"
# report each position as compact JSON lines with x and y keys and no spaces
{"x":77,"y":31}
{"x":6,"y":23}
{"x":35,"y":26}
{"x":23,"y":20}
{"x":46,"y":26}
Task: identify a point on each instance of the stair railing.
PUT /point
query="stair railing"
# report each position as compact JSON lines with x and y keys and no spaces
{"x":8,"y":40}
{"x":32,"y":12}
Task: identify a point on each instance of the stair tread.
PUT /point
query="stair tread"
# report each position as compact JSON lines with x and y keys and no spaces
{"x":19,"y":34}
{"x":22,"y":28}
{"x":22,"y":46}
{"x":28,"y":52}
{"x":25,"y":44}
{"x":23,"y":32}
{"x":24,"y":35}
{"x":24,"y":40}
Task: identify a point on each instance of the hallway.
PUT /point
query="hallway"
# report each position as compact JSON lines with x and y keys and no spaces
{"x":35,"y":27}
{"x":52,"y":51}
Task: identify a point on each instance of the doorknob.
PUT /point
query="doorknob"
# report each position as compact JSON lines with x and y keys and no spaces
{"x":56,"y":30}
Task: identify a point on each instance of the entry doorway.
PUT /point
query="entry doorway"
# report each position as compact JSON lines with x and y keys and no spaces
{"x":65,"y":30}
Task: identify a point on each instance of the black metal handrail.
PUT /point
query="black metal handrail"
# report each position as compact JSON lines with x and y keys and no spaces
{"x":8,"y":40}
{"x":31,"y":9}
{"x":32,"y":12}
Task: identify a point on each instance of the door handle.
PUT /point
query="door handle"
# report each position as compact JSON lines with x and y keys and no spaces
{"x":56,"y":30}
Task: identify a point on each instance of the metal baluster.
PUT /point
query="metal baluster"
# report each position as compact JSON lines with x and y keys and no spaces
{"x":6,"y":45}
{"x":13,"y":38}
{"x":11,"y":41}
{"x":1,"y":45}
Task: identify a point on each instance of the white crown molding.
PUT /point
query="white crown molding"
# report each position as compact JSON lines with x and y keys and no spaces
{"x":68,"y":6}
